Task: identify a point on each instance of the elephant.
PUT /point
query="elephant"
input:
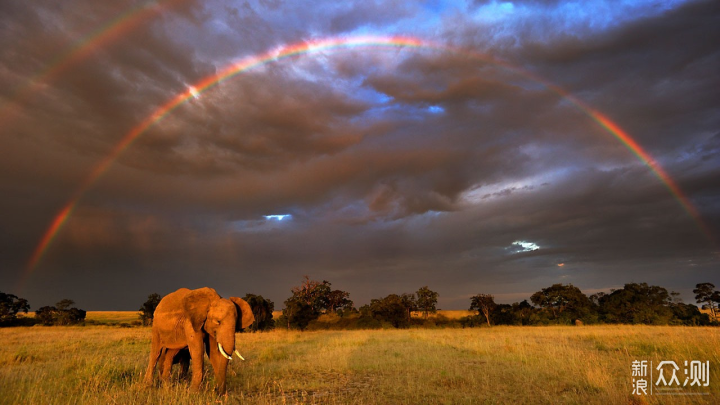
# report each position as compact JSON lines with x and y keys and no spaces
{"x":199,"y":321}
{"x":182,"y":356}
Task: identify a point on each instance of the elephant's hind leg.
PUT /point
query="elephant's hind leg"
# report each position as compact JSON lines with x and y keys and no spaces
{"x":166,"y":363}
{"x":155,"y":350}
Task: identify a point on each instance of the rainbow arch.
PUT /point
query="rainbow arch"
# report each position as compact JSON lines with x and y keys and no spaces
{"x":308,"y":47}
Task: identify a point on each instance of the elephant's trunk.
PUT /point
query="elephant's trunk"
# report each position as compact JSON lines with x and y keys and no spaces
{"x":222,"y":351}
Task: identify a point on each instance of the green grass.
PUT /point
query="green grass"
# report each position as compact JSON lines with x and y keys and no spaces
{"x":519,"y":365}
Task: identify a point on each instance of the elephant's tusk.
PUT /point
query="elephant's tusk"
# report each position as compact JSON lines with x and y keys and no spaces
{"x":238,"y":354}
{"x":223,"y":352}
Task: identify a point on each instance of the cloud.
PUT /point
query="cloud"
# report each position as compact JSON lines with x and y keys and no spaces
{"x":399,"y":167}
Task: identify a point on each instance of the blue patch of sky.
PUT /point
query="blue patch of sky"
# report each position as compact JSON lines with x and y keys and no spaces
{"x":494,"y":11}
{"x":435,"y":109}
{"x":541,"y":20}
{"x":403,"y":112}
{"x":383,"y":106}
{"x":371,"y":96}
{"x":438,"y":6}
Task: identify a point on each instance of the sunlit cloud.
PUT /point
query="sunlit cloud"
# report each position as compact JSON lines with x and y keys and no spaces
{"x":194,"y":92}
{"x":521,"y":246}
{"x":267,"y":224}
{"x":277,"y":217}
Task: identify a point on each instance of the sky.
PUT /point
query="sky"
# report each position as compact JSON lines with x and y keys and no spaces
{"x":474,"y":162}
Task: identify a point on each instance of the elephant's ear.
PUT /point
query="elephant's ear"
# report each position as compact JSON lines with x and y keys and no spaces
{"x":244,"y":313}
{"x":196,"y":305}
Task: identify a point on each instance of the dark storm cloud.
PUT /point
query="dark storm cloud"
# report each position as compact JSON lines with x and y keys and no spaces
{"x":259,"y":122}
{"x":400,"y":168}
{"x":655,"y":74}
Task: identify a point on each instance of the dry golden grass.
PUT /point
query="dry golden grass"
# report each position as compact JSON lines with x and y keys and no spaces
{"x":448,"y":314}
{"x":103,"y":317}
{"x":520,"y":365}
{"x":113,"y":317}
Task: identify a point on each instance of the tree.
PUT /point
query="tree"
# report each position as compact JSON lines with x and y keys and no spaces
{"x":522,"y":312}
{"x":565,"y":302}
{"x":74,"y":316}
{"x":313,"y":293}
{"x":147,"y":310}
{"x":46,"y":315}
{"x":483,"y":303}
{"x":64,"y":304}
{"x":707,"y":295}
{"x":637,"y":303}
{"x":10,"y":305}
{"x":338,"y":299}
{"x":595,"y":298}
{"x":409,"y":303}
{"x":64,"y":314}
{"x":298,"y":314}
{"x":502,"y":314}
{"x":391,"y":309}
{"x":307,"y":302}
{"x":426,"y":300}
{"x":316,"y":298}
{"x":687,"y":314}
{"x":262,"y":310}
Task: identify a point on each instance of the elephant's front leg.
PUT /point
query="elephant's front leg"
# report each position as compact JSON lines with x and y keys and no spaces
{"x":196,"y":347}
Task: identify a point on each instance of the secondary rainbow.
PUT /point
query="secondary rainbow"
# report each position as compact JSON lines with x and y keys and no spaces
{"x":319,"y":45}
{"x":84,"y":47}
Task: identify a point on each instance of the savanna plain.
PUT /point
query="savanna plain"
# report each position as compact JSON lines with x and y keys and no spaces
{"x":104,"y":364}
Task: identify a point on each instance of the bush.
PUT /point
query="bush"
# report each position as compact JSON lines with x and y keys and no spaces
{"x":60,"y":314}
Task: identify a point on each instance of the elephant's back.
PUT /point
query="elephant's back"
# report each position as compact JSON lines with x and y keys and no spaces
{"x":172,"y":302}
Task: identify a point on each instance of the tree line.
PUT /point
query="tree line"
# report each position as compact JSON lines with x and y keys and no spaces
{"x":316,"y":305}
{"x":635,"y":303}
{"x":62,"y":313}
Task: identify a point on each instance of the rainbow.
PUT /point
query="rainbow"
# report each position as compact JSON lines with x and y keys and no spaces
{"x":83,"y":48}
{"x":309,"y":47}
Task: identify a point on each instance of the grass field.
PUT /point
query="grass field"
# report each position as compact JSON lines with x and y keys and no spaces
{"x":448,"y":314}
{"x":519,"y":365}
{"x":104,"y":317}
